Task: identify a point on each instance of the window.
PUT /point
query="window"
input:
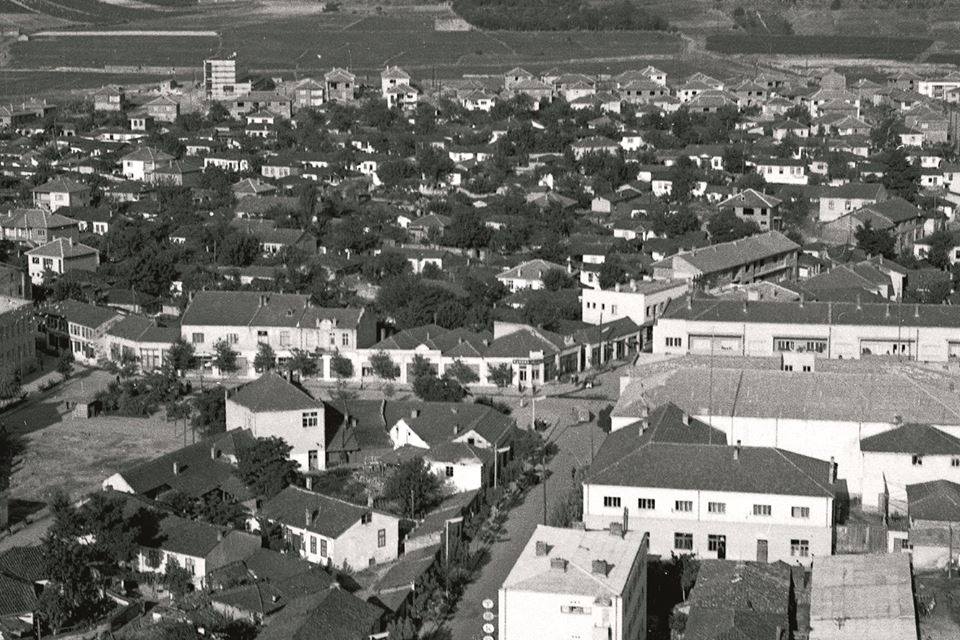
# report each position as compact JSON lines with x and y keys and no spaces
{"x":197,"y":338}
{"x":613,"y":309}
{"x":716,"y":542}
{"x":366,"y":518}
{"x":674,"y":342}
{"x":800,"y":548}
{"x":917,"y":461}
{"x":284,"y":338}
{"x":345,"y":339}
{"x":323,"y":548}
{"x":683,"y":541}
{"x":309,"y":419}
{"x":575,"y":609}
{"x":717,"y":507}
{"x":381,"y":538}
{"x":955,"y":462}
{"x":232,"y":338}
{"x":762,"y":510}
{"x":611,"y":501}
{"x":333,"y":339}
{"x":262,"y":336}
{"x":449,"y":471}
{"x":313,"y":545}
{"x":800,"y":512}
{"x":683,"y":505}
{"x":901,"y":544}
{"x":646,"y":503}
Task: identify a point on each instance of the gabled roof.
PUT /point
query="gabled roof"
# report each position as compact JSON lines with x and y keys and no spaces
{"x":440,"y":422}
{"x":339,"y":75}
{"x":148,"y":154}
{"x":919,"y":439}
{"x":394,"y":73}
{"x":938,"y":500}
{"x":750,"y":198}
{"x":188,"y":537}
{"x":727,"y":255}
{"x":61,"y":185}
{"x":36,"y":219}
{"x":82,"y":313}
{"x":141,"y":329}
{"x":530,"y":270}
{"x":64,"y":249}
{"x":272,"y":392}
{"x":252,"y":308}
{"x":895,"y":210}
{"x":328,"y":516}
{"x":333,"y":614}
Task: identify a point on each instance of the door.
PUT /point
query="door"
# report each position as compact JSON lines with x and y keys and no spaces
{"x":312,"y":460}
{"x":722,"y":548}
{"x":761,"y":550}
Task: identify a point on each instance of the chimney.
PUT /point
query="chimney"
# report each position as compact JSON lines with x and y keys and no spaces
{"x":686,"y":418}
{"x":264,"y":298}
{"x":176,"y":468}
{"x":801,"y":301}
{"x":616,"y":529}
{"x":833,"y":471}
{"x":736,"y":451}
{"x":560,"y":564}
{"x":887,"y":314}
{"x":744,"y":306}
{"x":916,"y":311}
{"x":415,"y":413}
{"x":456,"y":429}
{"x":598,"y":568}
{"x":633,"y":284}
{"x":690,"y":301}
{"x":542,"y":548}
{"x":616,"y":287}
{"x":307,"y":516}
{"x":213,"y":453}
{"x":626,"y":519}
{"x":219,"y":535}
{"x":370,"y":500}
{"x":859,"y":306}
{"x":308,"y":482}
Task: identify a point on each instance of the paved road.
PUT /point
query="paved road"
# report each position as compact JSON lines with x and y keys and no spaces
{"x":574,"y":443}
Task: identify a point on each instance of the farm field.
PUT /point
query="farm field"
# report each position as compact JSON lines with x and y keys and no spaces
{"x":21,"y":85}
{"x":365,"y":44}
{"x":851,"y":46}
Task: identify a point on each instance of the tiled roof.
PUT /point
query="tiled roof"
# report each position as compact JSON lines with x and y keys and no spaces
{"x":87,"y":315}
{"x":16,"y":597}
{"x":61,"y":185}
{"x":141,"y":329}
{"x":333,"y":614}
{"x":23,"y":563}
{"x":188,"y":537}
{"x":434,"y":421}
{"x":749,"y":198}
{"x":272,"y":392}
{"x":896,"y":210}
{"x":727,"y":255}
{"x":921,"y":439}
{"x":61,"y":248}
{"x":938,"y":500}
{"x":148,"y":154}
{"x":243,"y":308}
{"x":329,"y":517}
{"x":36,"y":219}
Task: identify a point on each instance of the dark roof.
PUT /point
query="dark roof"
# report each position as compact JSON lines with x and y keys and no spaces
{"x":920,"y":439}
{"x":938,"y":500}
{"x":252,"y":308}
{"x":16,"y":597}
{"x":726,"y":255}
{"x":141,"y":329}
{"x":857,"y":191}
{"x":23,"y":563}
{"x":272,"y":392}
{"x":81,"y":313}
{"x":434,"y":422}
{"x":188,"y":537}
{"x":630,"y":458}
{"x":329,"y":517}
{"x":333,"y":614}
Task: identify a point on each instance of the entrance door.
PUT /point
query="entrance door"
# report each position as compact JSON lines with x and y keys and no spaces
{"x":761,"y":550}
{"x":722,"y":548}
{"x":312,"y":460}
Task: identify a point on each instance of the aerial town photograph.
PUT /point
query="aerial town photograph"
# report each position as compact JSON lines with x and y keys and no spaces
{"x":480,"y":320}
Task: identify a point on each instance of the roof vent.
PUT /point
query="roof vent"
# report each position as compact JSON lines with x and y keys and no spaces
{"x":599,"y":568}
{"x":415,"y":413}
{"x":176,"y":468}
{"x":542,"y":548}
{"x":560,"y":564}
{"x":736,"y":451}
{"x":685,"y":418}
{"x":307,"y":516}
{"x":859,"y":306}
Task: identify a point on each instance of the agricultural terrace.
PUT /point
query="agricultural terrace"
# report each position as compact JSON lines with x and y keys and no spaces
{"x":847,"y":46}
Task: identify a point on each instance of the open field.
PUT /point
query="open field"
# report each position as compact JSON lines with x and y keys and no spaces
{"x":851,"y":46}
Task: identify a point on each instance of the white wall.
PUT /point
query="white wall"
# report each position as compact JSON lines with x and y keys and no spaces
{"x":894,"y":471}
{"x":287,"y":425}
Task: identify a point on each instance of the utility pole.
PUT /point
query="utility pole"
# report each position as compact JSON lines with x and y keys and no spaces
{"x":543,"y":465}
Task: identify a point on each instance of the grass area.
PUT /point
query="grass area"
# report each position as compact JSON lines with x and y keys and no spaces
{"x":16,"y":85}
{"x":852,"y":46}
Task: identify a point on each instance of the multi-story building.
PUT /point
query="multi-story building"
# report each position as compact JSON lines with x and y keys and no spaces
{"x":17,"y":345}
{"x":13,"y":282}
{"x":828,"y":329}
{"x":643,"y":302}
{"x":270,"y":406}
{"x":34,"y":227}
{"x":220,"y":79}
{"x":285,"y":321}
{"x":571,"y":583}
{"x":765,"y":256}
{"x":837,"y":201}
{"x":339,"y":86}
{"x":142,"y":339}
{"x":141,"y":163}
{"x":752,"y":206}
{"x":59,"y":257}
{"x":61,"y":192}
{"x":80,"y":327}
{"x":676,"y":479}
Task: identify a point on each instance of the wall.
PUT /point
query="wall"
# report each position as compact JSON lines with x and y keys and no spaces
{"x":526,"y":614}
{"x":17,"y":343}
{"x":613,"y":305}
{"x":283,"y":424}
{"x":359,"y":543}
{"x":737,"y":523}
{"x":894,"y":471}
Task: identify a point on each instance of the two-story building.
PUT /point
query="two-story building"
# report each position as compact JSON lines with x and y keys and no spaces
{"x":643,"y":301}
{"x":61,"y":192}
{"x":752,"y":206}
{"x":35,"y":227}
{"x":59,"y":257}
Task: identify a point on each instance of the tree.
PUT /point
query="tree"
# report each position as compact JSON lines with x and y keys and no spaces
{"x":238,"y":249}
{"x":224,"y":357}
{"x":383,"y":365}
{"x":65,"y":363}
{"x":726,"y":226}
{"x":210,"y":415}
{"x":420,"y":367}
{"x":751,"y":180}
{"x":876,"y":242}
{"x":177,"y":579}
{"x":303,"y":362}
{"x":610,"y":273}
{"x":414,"y":488}
{"x":11,"y":446}
{"x":443,"y":389}
{"x":684,"y":176}
{"x":467,"y":231}
{"x":556,"y":279}
{"x":341,"y":366}
{"x":501,"y":375}
{"x":900,"y":176}
{"x":181,"y":356}
{"x":941,"y":245}
{"x":385,"y":265}
{"x":461,"y":372}
{"x":266,"y":358}
{"x":265,"y":466}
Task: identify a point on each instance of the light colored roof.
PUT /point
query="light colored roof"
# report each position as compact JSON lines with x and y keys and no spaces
{"x":579,"y":548}
{"x":241,"y":308}
{"x":726,"y":255}
{"x":61,"y":185}
{"x":874,"y":586}
{"x":61,"y":248}
{"x":750,"y":198}
{"x":394,"y":73}
{"x":148,"y":154}
{"x":846,"y":397}
{"x":531,"y":270}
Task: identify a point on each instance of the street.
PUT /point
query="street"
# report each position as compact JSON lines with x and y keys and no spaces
{"x":574,"y":450}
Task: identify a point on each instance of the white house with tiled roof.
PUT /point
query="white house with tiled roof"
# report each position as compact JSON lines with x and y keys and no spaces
{"x":270,"y":406}
{"x":140,"y":163}
{"x":59,"y":257}
{"x":528,"y":275}
{"x":571,"y":583}
{"x":61,"y":192}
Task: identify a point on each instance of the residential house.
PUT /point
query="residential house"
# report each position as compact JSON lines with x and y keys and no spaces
{"x":641,"y":301}
{"x":340,"y":86}
{"x":13,"y":282}
{"x":140,"y":163}
{"x":142,"y":339}
{"x":108,"y":99}
{"x":61,"y":192}
{"x":307,"y":94}
{"x":393,"y":77}
{"x":849,"y":197}
{"x":933,"y":514}
{"x":753,"y":206}
{"x":765,"y":256}
{"x":782,"y":171}
{"x":528,"y":275}
{"x":676,"y":479}
{"x":161,"y":109}
{"x":230,"y":161}
{"x":270,"y":406}
{"x":333,"y":532}
{"x":59,"y":257}
{"x":331,"y":614}
{"x":575,"y":583}
{"x":903,"y":220}
{"x":34,"y":227}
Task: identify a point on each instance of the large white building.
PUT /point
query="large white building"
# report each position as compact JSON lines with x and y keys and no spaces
{"x":829,"y":329}
{"x":571,"y":583}
{"x":822,"y":415}
{"x":676,"y":479}
{"x":643,"y":302}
